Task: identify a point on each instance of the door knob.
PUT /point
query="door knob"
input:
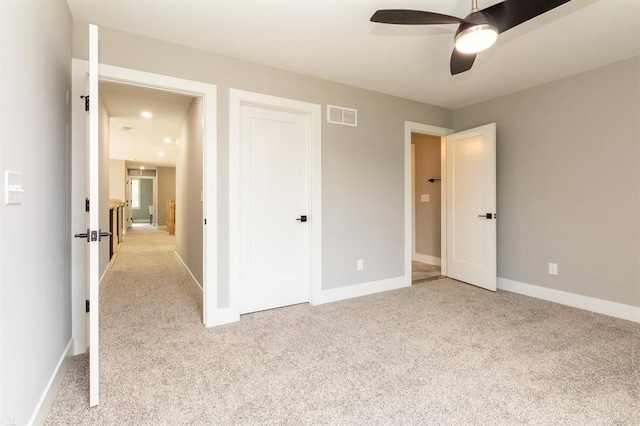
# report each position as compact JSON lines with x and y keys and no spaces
{"x":302,"y":218}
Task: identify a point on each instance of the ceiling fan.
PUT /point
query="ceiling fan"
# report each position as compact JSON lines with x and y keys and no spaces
{"x":478,"y":30}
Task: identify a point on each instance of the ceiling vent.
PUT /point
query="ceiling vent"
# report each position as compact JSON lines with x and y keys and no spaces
{"x":341,"y":115}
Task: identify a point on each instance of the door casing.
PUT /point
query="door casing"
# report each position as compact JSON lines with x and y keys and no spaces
{"x":208,"y":92}
{"x":426,"y":129}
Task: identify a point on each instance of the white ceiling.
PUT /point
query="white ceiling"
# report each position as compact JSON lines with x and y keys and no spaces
{"x":142,"y":143}
{"x":334,"y":40}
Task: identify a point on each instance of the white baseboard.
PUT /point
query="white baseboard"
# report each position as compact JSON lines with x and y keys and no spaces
{"x":600,"y":306}
{"x":425,"y":258}
{"x":51,"y":390}
{"x":184,"y":265}
{"x":348,"y":292}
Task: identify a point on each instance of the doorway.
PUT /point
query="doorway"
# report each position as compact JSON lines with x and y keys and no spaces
{"x":426,"y":200}
{"x":143,"y":200}
{"x":288,"y":225}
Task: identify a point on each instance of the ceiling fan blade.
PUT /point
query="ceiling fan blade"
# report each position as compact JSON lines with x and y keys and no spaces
{"x":412,"y":17}
{"x":510,"y":13}
{"x":461,"y":62}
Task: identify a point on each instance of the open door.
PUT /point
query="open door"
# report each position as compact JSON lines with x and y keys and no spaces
{"x":471,"y":206}
{"x":91,"y":233}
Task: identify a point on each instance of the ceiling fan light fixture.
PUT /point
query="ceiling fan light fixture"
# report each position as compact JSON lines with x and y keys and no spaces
{"x":476,"y":38}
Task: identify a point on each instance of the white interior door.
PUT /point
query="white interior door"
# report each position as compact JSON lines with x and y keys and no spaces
{"x":274,"y":203}
{"x":94,"y":224}
{"x":471,"y":206}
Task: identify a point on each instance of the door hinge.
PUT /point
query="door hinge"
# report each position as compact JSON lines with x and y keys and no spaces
{"x":205,"y":221}
{"x":86,"y":102}
{"x":86,"y":306}
{"x":87,"y":205}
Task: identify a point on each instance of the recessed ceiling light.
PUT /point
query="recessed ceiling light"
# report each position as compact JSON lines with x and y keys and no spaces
{"x":167,"y":140}
{"x":146,"y":114}
{"x":161,"y":154}
{"x":141,"y":167}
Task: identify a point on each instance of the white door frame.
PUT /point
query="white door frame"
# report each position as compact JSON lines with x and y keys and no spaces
{"x":155,"y":193}
{"x":427,"y":129}
{"x":314,"y":112}
{"x":208,"y":92}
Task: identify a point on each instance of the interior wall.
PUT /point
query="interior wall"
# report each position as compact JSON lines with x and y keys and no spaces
{"x":166,"y":191}
{"x":568,"y":176}
{"x":117,"y":180}
{"x":35,"y":289}
{"x":189,"y":215}
{"x":104,"y":179}
{"x":362,"y":167}
{"x":427,"y":220}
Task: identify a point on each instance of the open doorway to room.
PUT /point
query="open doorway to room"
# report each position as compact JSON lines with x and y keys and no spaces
{"x":426,"y":207}
{"x":155,"y":140}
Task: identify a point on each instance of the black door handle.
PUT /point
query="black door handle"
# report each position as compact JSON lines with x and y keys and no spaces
{"x":302,"y":218}
{"x":84,"y":235}
{"x":488,"y":216}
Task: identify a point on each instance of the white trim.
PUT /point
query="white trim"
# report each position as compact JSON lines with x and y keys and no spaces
{"x":51,"y":390}
{"x":411,"y":127}
{"x":208,"y":92}
{"x":314,"y":111}
{"x":187,"y":270}
{"x":600,"y":306}
{"x":364,"y":289}
{"x":425,"y":258}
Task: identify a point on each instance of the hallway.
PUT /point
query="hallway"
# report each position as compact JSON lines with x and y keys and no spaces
{"x":146,"y":297}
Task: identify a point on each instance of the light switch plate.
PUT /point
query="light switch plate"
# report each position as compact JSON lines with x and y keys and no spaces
{"x":13,"y":192}
{"x":424,"y":198}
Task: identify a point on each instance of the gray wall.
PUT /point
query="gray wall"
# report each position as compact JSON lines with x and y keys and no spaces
{"x":103,"y":167}
{"x":427,"y":161}
{"x":166,"y":191}
{"x":363,"y":169}
{"x":569,"y":182}
{"x":35,"y":290}
{"x":189,"y":218}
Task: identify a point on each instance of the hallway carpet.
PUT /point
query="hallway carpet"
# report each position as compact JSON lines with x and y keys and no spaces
{"x":440,"y":352}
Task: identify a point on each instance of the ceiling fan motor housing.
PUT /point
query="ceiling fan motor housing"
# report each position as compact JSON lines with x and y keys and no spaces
{"x":477,"y":18}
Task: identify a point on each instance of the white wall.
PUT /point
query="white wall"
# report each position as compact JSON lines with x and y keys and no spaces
{"x":568,"y":171}
{"x":35,"y":237}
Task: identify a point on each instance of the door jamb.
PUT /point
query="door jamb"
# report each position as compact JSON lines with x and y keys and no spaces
{"x":427,"y":129}
{"x":237,"y":98}
{"x":208,"y":92}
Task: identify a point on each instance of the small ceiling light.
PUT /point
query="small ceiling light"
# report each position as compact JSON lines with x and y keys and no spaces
{"x":141,"y":167}
{"x":167,"y":140}
{"x":146,"y":114}
{"x":161,"y":154}
{"x":476,"y":38}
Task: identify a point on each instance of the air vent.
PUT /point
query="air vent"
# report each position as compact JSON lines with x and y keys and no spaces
{"x":341,"y":115}
{"x":133,"y":172}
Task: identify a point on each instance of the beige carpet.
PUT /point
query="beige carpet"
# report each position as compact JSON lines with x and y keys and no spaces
{"x":440,"y":352}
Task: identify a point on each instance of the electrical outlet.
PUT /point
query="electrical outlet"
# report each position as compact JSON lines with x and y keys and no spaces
{"x":553,"y":269}
{"x":360,"y":265}
{"x":13,"y":191}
